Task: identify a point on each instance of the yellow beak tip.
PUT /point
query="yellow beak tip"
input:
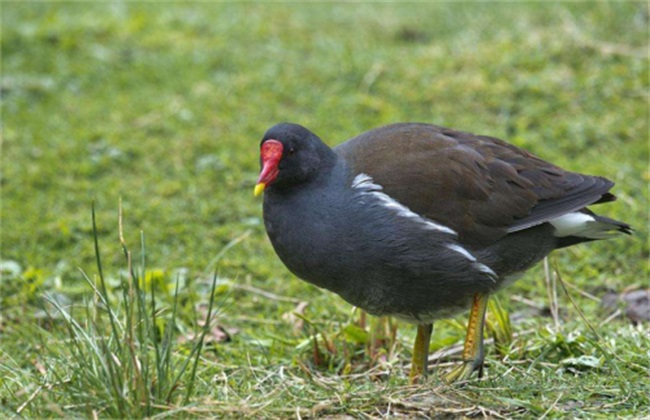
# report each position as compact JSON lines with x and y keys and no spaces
{"x":259,"y":189}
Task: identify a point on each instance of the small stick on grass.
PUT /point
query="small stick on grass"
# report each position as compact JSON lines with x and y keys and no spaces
{"x":609,"y":354}
{"x":551,"y":289}
{"x":552,"y":405}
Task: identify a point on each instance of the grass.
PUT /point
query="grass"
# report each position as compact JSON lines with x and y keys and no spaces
{"x":164,"y":107}
{"x":125,"y":353}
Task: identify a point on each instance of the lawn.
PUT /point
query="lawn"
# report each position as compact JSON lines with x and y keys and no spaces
{"x":162,"y":106}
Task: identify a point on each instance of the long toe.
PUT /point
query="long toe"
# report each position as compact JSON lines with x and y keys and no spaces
{"x":464,"y":371}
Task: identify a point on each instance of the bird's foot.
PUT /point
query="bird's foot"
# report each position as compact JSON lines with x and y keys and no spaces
{"x":464,"y":371}
{"x":473,"y":348}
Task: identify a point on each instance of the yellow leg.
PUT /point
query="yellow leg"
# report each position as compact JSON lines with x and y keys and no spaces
{"x":473,"y":350}
{"x":420,"y":353}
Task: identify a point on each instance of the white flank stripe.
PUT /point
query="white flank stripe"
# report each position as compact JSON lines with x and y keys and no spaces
{"x":479,"y":266}
{"x":487,"y":270}
{"x":365,"y":183}
{"x":462,"y":251}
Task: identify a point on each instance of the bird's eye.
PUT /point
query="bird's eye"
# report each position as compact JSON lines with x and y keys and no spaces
{"x":291,"y":151}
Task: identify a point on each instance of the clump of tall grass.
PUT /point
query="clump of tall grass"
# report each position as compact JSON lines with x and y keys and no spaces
{"x":121,"y":356}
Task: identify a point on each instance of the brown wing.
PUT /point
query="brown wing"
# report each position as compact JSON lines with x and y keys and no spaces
{"x":481,"y":187}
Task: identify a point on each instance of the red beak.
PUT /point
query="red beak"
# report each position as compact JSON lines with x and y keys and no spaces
{"x":270,"y":154}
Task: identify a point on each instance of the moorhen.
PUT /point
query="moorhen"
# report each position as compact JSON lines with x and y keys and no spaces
{"x":420,"y":222}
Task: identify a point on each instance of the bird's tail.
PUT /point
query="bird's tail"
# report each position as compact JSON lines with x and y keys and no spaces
{"x":585,"y":225}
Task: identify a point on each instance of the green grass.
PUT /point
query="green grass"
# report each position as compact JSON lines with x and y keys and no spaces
{"x":120,"y":359}
{"x":164,"y":107}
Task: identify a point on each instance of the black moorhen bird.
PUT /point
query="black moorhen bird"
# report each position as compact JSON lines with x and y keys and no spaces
{"x":420,"y":222}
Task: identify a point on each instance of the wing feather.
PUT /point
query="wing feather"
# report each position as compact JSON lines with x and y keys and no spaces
{"x":480,"y":186}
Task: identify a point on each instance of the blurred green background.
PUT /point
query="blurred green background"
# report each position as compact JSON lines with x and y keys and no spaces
{"x":164,"y":105}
